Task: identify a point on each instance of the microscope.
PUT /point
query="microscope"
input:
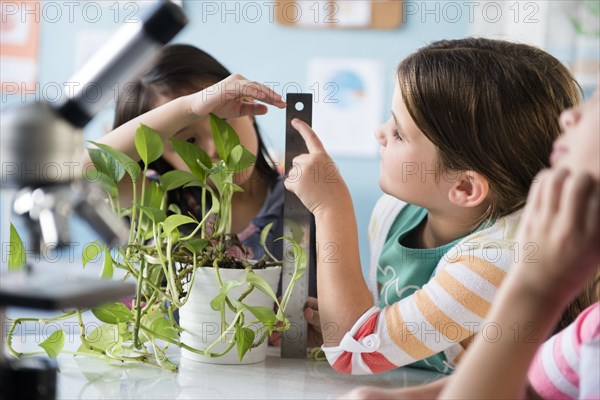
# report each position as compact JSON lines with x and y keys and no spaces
{"x":40,"y":136}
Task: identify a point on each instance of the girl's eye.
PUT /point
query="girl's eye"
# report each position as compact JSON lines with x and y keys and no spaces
{"x":191,"y":140}
{"x":396,"y":135}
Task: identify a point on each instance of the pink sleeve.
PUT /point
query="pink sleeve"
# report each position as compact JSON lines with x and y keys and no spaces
{"x":555,"y":371}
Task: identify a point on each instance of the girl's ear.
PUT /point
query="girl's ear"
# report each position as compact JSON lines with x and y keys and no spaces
{"x":470,"y":190}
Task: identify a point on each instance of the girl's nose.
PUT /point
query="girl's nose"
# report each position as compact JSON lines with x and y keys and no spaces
{"x":380,"y":136}
{"x":569,"y":118}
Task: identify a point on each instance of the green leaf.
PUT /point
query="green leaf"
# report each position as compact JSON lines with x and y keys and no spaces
{"x":265,"y":233}
{"x":148,"y":144}
{"x":107,"y":267}
{"x":244,"y":337}
{"x":162,"y":326}
{"x":259,"y":283}
{"x":115,"y":350}
{"x":223,"y":135}
{"x":113,"y":313}
{"x":91,"y":251}
{"x":106,"y":164}
{"x":196,"y":245}
{"x":194,"y":157}
{"x":218,"y":302}
{"x":54,"y":344}
{"x":234,"y":158}
{"x":240,"y":159}
{"x":176,"y":179}
{"x":174,"y":208}
{"x":175,"y":221}
{"x":103,"y":337}
{"x":246,"y":160}
{"x":104,"y":180}
{"x":300,"y":260}
{"x":155,"y":275}
{"x":266,"y":315}
{"x":132,"y":168}
{"x":153,"y":195}
{"x":155,"y":214}
{"x":17,"y":258}
{"x":152,"y":315}
{"x":217,"y":179}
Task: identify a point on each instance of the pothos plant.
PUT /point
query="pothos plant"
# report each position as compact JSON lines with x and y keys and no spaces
{"x":163,"y":260}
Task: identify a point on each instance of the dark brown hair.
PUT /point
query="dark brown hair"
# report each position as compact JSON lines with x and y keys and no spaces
{"x":180,"y":70}
{"x":489,"y":106}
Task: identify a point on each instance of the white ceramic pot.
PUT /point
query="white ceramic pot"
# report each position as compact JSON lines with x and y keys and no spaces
{"x":202,"y":325}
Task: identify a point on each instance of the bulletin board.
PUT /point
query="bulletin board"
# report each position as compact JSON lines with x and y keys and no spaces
{"x":19,"y":40}
{"x":340,"y":14}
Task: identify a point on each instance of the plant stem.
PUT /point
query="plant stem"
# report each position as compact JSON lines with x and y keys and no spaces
{"x":203,"y":233}
{"x":138,"y":307}
{"x":18,"y":321}
{"x":225,"y":331}
{"x":118,"y":200}
{"x":133,"y":223}
{"x":246,"y":293}
{"x":143,"y":195}
{"x":171,"y":276}
{"x":157,"y":241}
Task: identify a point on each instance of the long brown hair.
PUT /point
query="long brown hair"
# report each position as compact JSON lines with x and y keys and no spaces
{"x":493,"y":107}
{"x":490,"y":106}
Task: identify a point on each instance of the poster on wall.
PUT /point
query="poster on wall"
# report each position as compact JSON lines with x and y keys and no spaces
{"x":19,"y":46}
{"x":348,"y":96}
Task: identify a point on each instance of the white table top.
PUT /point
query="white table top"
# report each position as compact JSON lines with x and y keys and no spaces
{"x":276,"y":378}
{"x":91,"y":378}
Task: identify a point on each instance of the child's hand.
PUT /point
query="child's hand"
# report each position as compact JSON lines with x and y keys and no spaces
{"x":311,"y":314}
{"x":234,"y":97}
{"x":315,"y":178}
{"x":559,"y":234}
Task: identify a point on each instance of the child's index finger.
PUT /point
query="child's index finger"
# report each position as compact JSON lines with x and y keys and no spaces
{"x":313,"y":143}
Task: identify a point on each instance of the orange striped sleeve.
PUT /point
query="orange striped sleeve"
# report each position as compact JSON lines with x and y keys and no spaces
{"x":402,"y":336}
{"x":437,"y":318}
{"x":462,"y":294}
{"x":485,"y":269}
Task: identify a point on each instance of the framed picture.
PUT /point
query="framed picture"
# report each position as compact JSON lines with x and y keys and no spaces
{"x":352,"y":14}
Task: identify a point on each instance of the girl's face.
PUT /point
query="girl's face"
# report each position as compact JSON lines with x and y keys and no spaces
{"x":578,"y":149}
{"x":199,"y":133}
{"x":410,"y":166}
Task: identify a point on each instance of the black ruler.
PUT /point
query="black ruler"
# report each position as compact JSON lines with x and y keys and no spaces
{"x":297,"y":224}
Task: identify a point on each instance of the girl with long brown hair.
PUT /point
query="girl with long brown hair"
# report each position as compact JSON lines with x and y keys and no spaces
{"x":472,"y":123}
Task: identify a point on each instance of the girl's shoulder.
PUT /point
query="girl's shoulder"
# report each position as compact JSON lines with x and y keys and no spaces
{"x":491,"y":250}
{"x":502,"y":231}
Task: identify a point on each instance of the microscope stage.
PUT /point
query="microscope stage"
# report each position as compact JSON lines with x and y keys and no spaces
{"x":52,"y":291}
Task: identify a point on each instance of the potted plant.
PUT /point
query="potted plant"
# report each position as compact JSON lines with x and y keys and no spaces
{"x":179,"y":263}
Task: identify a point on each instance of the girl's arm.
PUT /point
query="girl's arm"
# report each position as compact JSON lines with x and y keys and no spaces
{"x":232,"y":97}
{"x":561,"y":221}
{"x":421,"y":392}
{"x":446,"y":311}
{"x":342,"y":291}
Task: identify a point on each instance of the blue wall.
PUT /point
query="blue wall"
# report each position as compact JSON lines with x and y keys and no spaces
{"x":266,"y":52}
